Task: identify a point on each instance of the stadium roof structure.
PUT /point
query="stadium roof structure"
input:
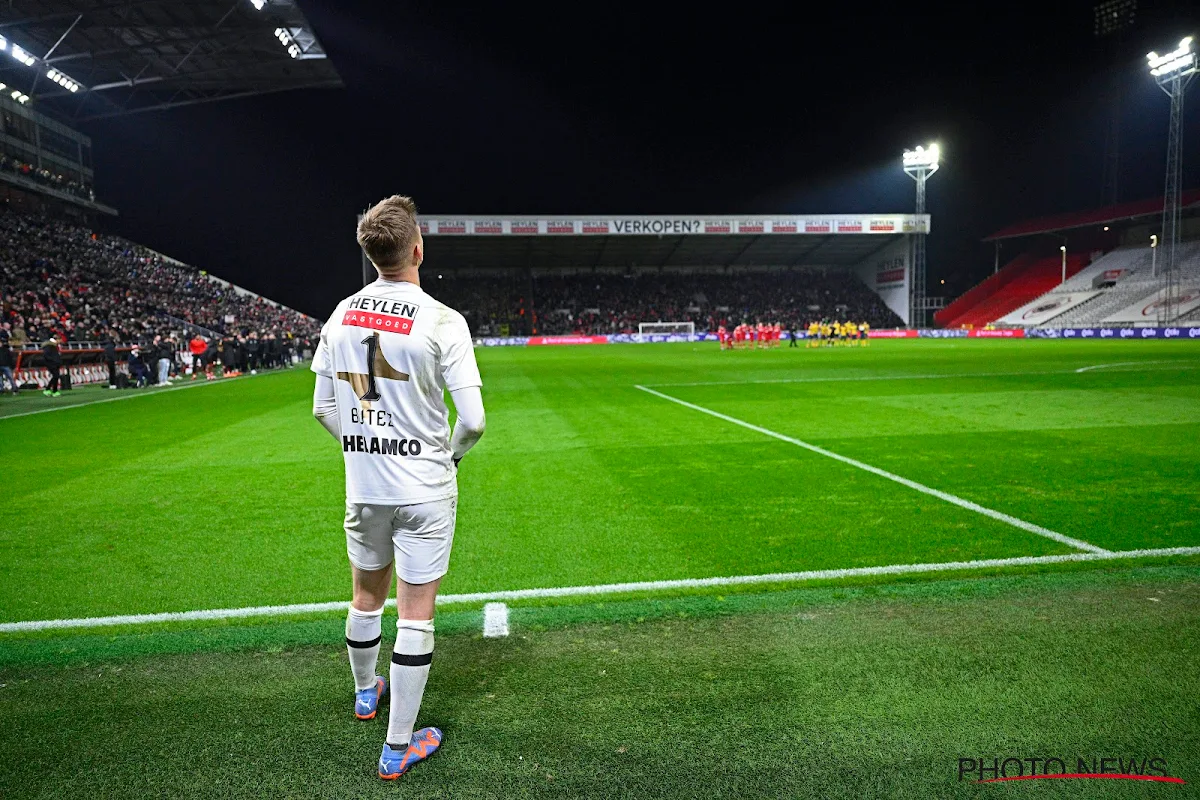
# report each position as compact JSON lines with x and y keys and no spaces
{"x":1109,"y":215}
{"x":832,"y":240}
{"x":98,"y":58}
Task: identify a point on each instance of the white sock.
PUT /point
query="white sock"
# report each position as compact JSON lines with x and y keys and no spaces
{"x":410,"y":670}
{"x":363,"y":634}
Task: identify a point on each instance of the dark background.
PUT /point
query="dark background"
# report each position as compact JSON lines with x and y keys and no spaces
{"x":637,"y":109}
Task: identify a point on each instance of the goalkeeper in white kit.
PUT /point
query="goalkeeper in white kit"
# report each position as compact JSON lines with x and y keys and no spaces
{"x":386,"y":356}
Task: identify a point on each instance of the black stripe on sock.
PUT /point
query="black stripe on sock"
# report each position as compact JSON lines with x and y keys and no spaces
{"x":412,"y":660}
{"x":364,"y":645}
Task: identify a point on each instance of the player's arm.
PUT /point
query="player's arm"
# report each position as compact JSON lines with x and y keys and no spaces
{"x":461,"y":374}
{"x":470,"y":422}
{"x":325,"y":406}
{"x":325,"y":392}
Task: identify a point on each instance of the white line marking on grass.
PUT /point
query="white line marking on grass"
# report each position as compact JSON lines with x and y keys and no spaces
{"x":1119,"y":364}
{"x":138,"y":393}
{"x":495,"y":620}
{"x":1078,"y":544}
{"x":600,"y":589}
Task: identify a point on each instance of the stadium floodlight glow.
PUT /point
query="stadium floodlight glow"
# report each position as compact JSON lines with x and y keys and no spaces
{"x":287,"y":40}
{"x":3,"y":43}
{"x":922,"y":158}
{"x":258,"y":4}
{"x":62,"y":80}
{"x":1180,"y":60}
{"x":20,"y":96}
{"x":20,"y":55}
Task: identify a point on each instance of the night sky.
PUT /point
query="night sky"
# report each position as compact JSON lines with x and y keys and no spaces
{"x":626,"y":109}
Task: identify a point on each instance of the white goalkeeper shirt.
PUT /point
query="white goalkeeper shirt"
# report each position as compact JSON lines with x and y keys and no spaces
{"x":392,"y":351}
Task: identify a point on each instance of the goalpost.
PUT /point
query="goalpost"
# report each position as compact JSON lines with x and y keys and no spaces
{"x":646,"y":329}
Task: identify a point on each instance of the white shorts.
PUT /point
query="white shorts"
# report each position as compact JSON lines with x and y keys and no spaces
{"x":417,"y":537}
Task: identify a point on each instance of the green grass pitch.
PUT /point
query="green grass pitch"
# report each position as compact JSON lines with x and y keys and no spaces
{"x":230,"y":495}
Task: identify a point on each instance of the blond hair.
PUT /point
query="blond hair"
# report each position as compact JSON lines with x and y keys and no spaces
{"x":388,"y":231}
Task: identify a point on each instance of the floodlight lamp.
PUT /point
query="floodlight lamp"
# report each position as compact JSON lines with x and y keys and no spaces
{"x":1181,"y":59}
{"x":922,"y":158}
{"x":22,"y":56}
{"x":258,"y":4}
{"x":3,"y":43}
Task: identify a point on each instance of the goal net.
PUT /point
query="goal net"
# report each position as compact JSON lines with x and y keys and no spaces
{"x":647,"y":329}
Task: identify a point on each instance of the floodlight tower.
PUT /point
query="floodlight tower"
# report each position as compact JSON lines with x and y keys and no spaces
{"x":919,"y":164}
{"x":1111,"y":19}
{"x":1173,"y":72}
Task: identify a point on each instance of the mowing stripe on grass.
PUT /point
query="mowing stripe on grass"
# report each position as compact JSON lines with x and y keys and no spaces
{"x":1180,"y":364}
{"x":600,"y":589}
{"x":1078,"y":544}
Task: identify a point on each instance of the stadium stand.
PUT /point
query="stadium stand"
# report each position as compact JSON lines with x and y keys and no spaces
{"x":1023,"y":279}
{"x":61,"y":279}
{"x":1117,"y":267}
{"x":595,"y":304}
{"x":1123,"y":262}
{"x":1137,"y":284}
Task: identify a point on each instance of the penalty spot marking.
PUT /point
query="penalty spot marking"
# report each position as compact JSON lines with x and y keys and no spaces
{"x":601,"y":589}
{"x":1000,"y":516}
{"x":495,"y":620}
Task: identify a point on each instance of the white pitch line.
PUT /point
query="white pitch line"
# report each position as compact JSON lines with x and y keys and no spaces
{"x":1078,"y":544}
{"x":139,"y":393}
{"x":600,"y":589}
{"x":1119,"y":364}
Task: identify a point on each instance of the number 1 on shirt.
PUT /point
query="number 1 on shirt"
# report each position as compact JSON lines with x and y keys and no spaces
{"x":372,"y":343}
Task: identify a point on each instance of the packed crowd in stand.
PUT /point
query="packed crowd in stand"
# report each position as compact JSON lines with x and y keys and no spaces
{"x":63,"y":285}
{"x":593,"y":304}
{"x":61,"y":281}
{"x":44,"y":176}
